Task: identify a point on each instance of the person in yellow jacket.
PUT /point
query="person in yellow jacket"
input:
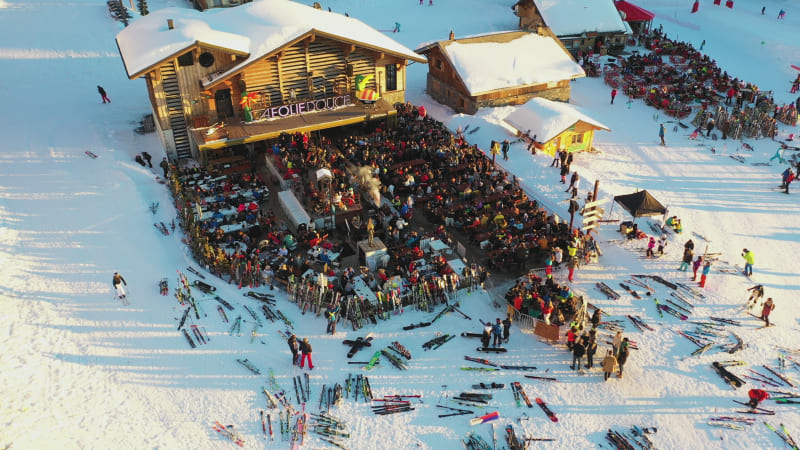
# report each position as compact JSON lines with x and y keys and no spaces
{"x":749,"y":260}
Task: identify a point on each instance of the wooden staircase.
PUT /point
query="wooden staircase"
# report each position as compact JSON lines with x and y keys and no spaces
{"x":177,"y":119}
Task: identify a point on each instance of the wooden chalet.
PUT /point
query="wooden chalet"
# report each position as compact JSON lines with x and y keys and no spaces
{"x":582,"y":25}
{"x":555,"y":126}
{"x":497,"y":69}
{"x":245,"y":75}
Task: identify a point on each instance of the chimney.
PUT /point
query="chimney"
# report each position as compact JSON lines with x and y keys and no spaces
{"x":451,"y":36}
{"x":170,"y":24}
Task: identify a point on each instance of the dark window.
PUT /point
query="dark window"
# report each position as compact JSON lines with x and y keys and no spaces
{"x":439,"y":64}
{"x":391,"y":77}
{"x":222,"y":98}
{"x":186,"y":59}
{"x":206,"y":59}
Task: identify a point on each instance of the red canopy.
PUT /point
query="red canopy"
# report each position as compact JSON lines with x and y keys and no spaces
{"x":633,"y":13}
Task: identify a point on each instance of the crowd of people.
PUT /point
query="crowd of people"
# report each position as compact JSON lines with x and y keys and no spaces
{"x":674,"y":75}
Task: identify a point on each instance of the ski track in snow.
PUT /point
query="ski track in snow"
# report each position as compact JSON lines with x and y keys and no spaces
{"x":81,"y":370}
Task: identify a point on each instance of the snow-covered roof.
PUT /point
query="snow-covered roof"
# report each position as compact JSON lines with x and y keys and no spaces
{"x":529,"y":59}
{"x":573,"y":17}
{"x":547,"y":119}
{"x":253,"y":29}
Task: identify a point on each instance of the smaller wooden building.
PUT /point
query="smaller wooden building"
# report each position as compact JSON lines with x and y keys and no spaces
{"x":582,"y":25}
{"x":498,"y":69}
{"x":555,"y":125}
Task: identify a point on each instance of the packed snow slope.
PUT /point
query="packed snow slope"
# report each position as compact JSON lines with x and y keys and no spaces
{"x":80,"y":370}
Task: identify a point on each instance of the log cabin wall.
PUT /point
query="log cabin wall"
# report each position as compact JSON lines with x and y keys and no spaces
{"x":190,"y":77}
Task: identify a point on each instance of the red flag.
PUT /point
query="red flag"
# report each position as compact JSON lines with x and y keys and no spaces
{"x":696,"y":6}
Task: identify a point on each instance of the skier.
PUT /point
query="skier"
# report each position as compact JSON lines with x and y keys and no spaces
{"x":117,"y":281}
{"x":506,"y":328}
{"x":147,"y":158}
{"x":396,"y":27}
{"x":564,"y":172}
{"x":609,"y":365}
{"x":572,"y":264}
{"x":766,"y":310}
{"x":487,"y":334}
{"x":548,"y":266}
{"x":756,"y":396}
{"x":781,"y":14}
{"x":661,"y":134}
{"x":688,"y":254}
{"x":546,"y":311}
{"x":729,"y":95}
{"x":430,"y":2}
{"x":709,"y":127}
{"x":779,"y":155}
{"x":756,"y":293}
{"x":504,"y":148}
{"x":578,"y":350}
{"x":763,"y":8}
{"x":591,"y":348}
{"x":622,"y":356}
{"x":749,"y":260}
{"x":613,"y":94}
{"x":696,"y":266}
{"x":662,"y":242}
{"x":702,"y":44}
{"x":165,"y":166}
{"x":332,"y":311}
{"x":294,"y":348}
{"x":574,"y":181}
{"x":704,"y":274}
{"x":558,"y":256}
{"x":557,"y":156}
{"x":615,"y":344}
{"x":103,"y":95}
{"x":497,"y":333}
{"x":597,"y":317}
{"x":138,"y":159}
{"x":572,"y":334}
{"x":789,"y":178}
{"x":650,"y":246}
{"x":305,"y":350}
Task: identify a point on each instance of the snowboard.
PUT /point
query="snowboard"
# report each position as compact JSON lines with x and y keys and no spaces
{"x":546,"y":409}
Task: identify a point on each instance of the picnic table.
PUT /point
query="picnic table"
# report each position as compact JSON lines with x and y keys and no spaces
{"x":363,"y":291}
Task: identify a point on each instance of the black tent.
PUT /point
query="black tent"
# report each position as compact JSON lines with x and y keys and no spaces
{"x":641,"y":204}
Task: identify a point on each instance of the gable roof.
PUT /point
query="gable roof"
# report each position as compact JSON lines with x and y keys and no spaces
{"x":547,"y":119}
{"x":573,"y":17}
{"x":495,"y":61}
{"x":632,"y":12}
{"x":254,"y":30}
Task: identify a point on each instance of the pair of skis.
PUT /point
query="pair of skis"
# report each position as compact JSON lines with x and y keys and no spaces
{"x":198,"y":335}
{"x":264,"y":425}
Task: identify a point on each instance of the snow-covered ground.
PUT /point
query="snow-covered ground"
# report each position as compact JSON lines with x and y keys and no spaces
{"x":79,"y":370}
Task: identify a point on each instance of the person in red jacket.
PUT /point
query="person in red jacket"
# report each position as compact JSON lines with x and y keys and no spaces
{"x":518,"y":302}
{"x":613,"y":94}
{"x":756,"y":396}
{"x":766,"y":310}
{"x":789,"y":178}
{"x":571,"y":335}
{"x":730,"y":95}
{"x":546,"y":311}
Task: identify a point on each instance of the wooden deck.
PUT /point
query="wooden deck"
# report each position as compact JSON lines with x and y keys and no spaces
{"x":321,"y":120}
